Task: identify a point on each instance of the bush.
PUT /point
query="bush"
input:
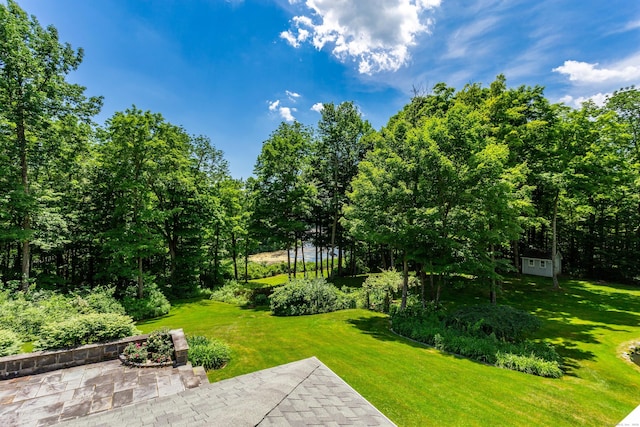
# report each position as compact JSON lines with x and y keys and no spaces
{"x":101,"y":300}
{"x":378,"y":290}
{"x":136,"y":353}
{"x":160,"y":346}
{"x":427,"y":327}
{"x":232,"y":293}
{"x":9,"y":343}
{"x":308,"y":296}
{"x":210,"y":354}
{"x":152,"y":304}
{"x":529,"y":364}
{"x":26,"y":313}
{"x":85,"y":329}
{"x":504,"y":322}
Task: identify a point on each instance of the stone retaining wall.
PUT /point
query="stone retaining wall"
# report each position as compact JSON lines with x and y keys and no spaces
{"x":20,"y":365}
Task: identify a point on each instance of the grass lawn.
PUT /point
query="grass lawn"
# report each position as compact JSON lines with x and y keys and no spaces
{"x":414,"y":385}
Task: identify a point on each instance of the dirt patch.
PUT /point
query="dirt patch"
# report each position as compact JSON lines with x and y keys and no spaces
{"x":269,"y":257}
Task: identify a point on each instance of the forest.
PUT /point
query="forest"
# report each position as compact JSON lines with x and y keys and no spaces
{"x":459,"y":182}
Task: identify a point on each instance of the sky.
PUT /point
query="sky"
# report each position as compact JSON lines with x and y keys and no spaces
{"x":233,"y":70}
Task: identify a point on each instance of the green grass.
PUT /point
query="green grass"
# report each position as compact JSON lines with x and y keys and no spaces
{"x":420,"y":386}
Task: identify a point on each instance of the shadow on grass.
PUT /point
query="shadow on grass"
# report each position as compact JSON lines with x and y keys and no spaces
{"x":256,"y":308}
{"x":379,"y":328}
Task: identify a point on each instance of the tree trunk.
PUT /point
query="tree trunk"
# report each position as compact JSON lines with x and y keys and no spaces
{"x":340,"y":260}
{"x":140,"y":281}
{"x":289,"y":261}
{"x":26,"y":219}
{"x":304,"y":263}
{"x":295,"y":257}
{"x":493,"y":292}
{"x":423,"y":279}
{"x":405,"y":281}
{"x":384,"y":257}
{"x":234,"y":255}
{"x":216,"y":250}
{"x":554,"y":242}
{"x":516,"y":256}
{"x":246,"y":260}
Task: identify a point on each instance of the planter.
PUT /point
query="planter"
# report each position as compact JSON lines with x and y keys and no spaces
{"x":147,"y":364}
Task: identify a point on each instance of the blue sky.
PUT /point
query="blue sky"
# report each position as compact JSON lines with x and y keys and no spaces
{"x":234,"y":69}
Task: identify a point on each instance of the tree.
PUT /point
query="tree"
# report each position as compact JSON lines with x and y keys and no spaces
{"x":340,"y":147}
{"x":134,"y":142}
{"x":34,"y":94}
{"x":282,"y":192}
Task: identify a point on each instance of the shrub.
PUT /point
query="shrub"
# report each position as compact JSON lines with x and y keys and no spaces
{"x":529,"y":364}
{"x":427,"y":327}
{"x":210,"y":354}
{"x":160,"y":346}
{"x":85,"y":329}
{"x":378,"y":290}
{"x":26,"y":313}
{"x":136,"y":353}
{"x":308,"y":296}
{"x":232,"y":293}
{"x":504,"y":322}
{"x":152,"y":304}
{"x":101,"y":300}
{"x":9,"y":343}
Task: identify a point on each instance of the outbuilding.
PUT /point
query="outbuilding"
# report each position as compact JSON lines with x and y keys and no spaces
{"x":540,"y":266}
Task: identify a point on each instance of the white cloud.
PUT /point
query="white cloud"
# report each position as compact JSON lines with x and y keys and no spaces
{"x":599,"y":99}
{"x":273,"y":106}
{"x":375,"y":33}
{"x":293,"y":96}
{"x":317,"y":107}
{"x":286,"y":113}
{"x":584,"y":72}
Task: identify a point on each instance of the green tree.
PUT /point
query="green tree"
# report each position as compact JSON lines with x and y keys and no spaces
{"x":34,"y":94}
{"x":282,"y":190}
{"x":341,"y":145}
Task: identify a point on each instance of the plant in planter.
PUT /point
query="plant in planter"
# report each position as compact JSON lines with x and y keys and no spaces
{"x":160,"y":346}
{"x":135,"y":353}
{"x":157,"y":350}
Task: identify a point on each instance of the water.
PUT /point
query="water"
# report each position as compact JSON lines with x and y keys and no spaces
{"x":310,"y":254}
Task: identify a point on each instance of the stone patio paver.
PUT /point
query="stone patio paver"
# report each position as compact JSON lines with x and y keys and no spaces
{"x":52,"y":397}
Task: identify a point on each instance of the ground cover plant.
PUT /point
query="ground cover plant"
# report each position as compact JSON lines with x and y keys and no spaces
{"x":415,"y":386}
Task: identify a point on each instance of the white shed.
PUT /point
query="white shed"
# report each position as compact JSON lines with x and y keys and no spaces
{"x":540,"y":266}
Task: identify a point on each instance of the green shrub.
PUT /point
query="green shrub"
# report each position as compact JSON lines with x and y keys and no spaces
{"x":152,"y":304}
{"x":529,"y":364}
{"x":100,"y":300}
{"x":26,"y":313}
{"x":85,"y":329}
{"x":232,"y":292}
{"x":427,"y":327}
{"x":210,"y":354}
{"x":378,"y":290}
{"x":160,"y":346}
{"x":136,"y":353}
{"x":308,"y":296}
{"x":504,"y":322}
{"x":9,"y":343}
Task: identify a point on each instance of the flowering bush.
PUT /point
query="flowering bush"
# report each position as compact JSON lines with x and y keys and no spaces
{"x":136,"y":353}
{"x":157,"y":349}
